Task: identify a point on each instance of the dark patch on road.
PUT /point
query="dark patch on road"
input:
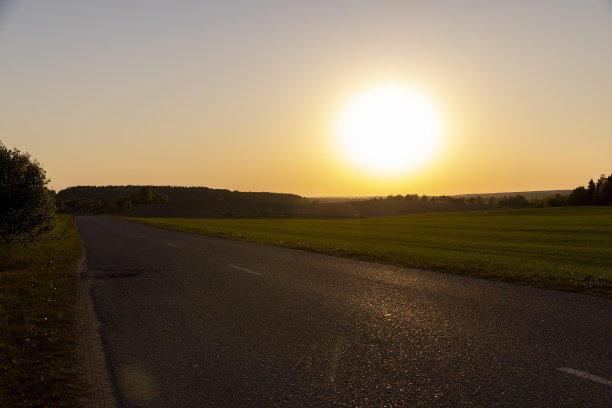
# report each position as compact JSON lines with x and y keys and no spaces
{"x":118,"y":273}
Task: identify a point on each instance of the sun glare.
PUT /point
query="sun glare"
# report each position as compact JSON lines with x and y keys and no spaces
{"x":389,"y":130}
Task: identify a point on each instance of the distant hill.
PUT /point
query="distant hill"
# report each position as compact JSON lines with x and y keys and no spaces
{"x":339,"y":199}
{"x":526,"y":194}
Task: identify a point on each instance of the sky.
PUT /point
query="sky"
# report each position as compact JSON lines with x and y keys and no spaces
{"x":246,"y":95}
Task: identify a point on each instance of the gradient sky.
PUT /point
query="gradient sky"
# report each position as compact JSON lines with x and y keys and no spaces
{"x":245,"y":95}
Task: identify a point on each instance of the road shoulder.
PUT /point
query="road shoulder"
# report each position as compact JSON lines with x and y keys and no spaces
{"x":91,"y":360}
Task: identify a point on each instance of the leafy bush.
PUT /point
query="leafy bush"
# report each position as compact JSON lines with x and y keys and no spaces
{"x":27,"y":207}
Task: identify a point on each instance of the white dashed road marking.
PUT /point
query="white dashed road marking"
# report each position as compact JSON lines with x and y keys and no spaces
{"x":588,"y":376}
{"x":171,"y":245}
{"x":244,"y":270}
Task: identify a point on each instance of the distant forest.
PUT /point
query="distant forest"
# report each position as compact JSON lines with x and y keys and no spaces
{"x":168,"y":200}
{"x":595,"y":193}
{"x":171,"y":201}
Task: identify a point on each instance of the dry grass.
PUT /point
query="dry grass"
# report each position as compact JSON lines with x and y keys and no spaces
{"x":37,"y":293}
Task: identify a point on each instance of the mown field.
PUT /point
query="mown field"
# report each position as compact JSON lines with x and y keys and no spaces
{"x":37,"y":293}
{"x":566,"y":248}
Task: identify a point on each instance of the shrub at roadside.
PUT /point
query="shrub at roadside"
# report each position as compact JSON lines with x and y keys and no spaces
{"x":27,"y":207}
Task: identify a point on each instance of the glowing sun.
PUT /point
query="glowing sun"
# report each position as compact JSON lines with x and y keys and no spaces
{"x":389,"y":129}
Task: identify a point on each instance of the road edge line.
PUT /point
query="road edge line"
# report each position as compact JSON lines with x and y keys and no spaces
{"x":244,"y":270}
{"x":586,"y":375}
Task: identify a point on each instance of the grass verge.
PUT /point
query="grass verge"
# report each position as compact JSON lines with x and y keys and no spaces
{"x":37,"y":293}
{"x":563,"y":248}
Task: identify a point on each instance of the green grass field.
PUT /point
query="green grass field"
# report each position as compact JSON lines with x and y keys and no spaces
{"x":565,"y":248}
{"x":37,"y":293}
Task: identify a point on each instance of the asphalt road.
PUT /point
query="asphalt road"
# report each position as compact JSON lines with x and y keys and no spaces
{"x":194,"y":321}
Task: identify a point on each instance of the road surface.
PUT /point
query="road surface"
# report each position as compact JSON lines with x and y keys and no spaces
{"x":194,"y":321}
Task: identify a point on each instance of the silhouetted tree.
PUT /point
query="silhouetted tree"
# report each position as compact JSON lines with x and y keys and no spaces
{"x":146,"y":194}
{"x":514,"y":201}
{"x":125,"y":204}
{"x":557,"y":200}
{"x":27,"y":207}
{"x":161,"y":198}
{"x":591,"y":191}
{"x":579,"y":196}
{"x":604,"y":192}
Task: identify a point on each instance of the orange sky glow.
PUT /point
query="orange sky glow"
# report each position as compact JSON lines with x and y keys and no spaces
{"x":247,"y":95}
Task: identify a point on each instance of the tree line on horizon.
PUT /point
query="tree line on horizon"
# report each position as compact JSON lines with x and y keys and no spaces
{"x":70,"y":201}
{"x":594,"y":193}
{"x":101,"y":199}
